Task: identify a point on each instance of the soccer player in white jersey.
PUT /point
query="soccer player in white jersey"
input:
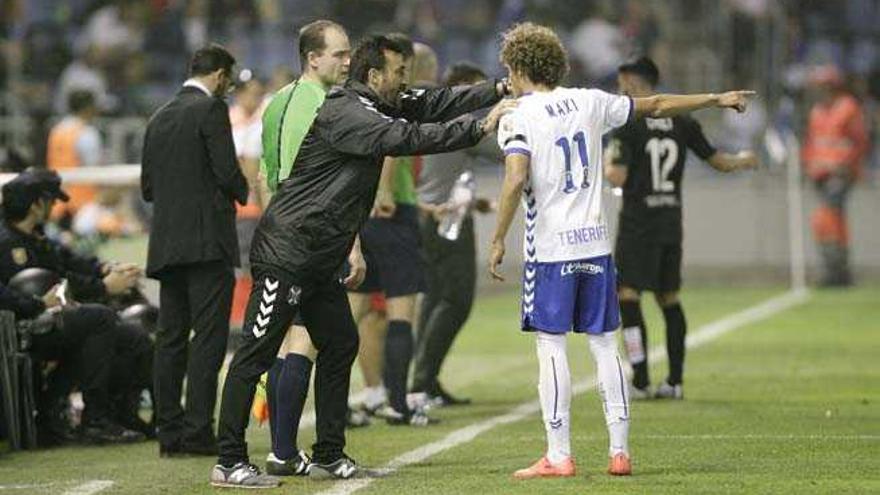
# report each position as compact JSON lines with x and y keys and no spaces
{"x":552,"y":143}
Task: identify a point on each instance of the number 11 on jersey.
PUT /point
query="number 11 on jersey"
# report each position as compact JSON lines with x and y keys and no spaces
{"x":581,"y":140}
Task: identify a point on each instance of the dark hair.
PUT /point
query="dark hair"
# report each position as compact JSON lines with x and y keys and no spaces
{"x":79,"y":100}
{"x":16,"y":209}
{"x":311,"y":39}
{"x":210,"y":58}
{"x":535,"y":51}
{"x":463,"y":73}
{"x":407,"y":49}
{"x":643,"y":67}
{"x":370,"y":54}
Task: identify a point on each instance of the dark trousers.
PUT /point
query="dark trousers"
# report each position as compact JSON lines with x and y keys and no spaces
{"x":451,"y":275}
{"x":273,"y":303}
{"x":134,"y":354}
{"x":830,"y":227}
{"x":83,"y":343}
{"x":198,"y":298}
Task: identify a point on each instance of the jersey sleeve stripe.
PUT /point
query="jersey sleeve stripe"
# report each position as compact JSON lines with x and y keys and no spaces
{"x":632,"y":109}
{"x":516,"y":137}
{"x":519,"y":151}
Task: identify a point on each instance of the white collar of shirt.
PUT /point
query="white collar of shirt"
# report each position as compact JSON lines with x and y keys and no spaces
{"x":195,"y":83}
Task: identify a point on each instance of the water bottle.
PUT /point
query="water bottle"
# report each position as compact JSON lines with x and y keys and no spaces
{"x":460,"y":199}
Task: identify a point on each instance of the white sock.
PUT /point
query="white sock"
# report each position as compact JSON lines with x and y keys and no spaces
{"x":612,"y":388}
{"x":554,"y":390}
{"x":375,"y":396}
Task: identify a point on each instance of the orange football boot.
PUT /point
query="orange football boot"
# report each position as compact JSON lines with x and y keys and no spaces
{"x":543,"y":469}
{"x":619,"y":465}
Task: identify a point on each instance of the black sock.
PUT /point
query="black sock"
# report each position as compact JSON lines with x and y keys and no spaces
{"x":398,"y":354}
{"x":271,"y":399}
{"x":292,"y":389}
{"x":635,"y":336}
{"x":676,"y":329}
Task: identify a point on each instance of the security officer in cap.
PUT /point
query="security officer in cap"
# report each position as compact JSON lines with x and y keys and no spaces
{"x":85,"y":336}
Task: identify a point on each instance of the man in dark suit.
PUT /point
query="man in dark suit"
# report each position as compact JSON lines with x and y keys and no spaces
{"x":191,"y":176}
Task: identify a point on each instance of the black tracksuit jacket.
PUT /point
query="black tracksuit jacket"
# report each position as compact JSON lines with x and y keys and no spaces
{"x":310,"y":225}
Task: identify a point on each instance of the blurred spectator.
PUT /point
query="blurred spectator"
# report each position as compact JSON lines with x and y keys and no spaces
{"x":106,"y":217}
{"x":640,"y":27}
{"x":13,"y":160}
{"x":75,"y":142}
{"x":84,"y":73}
{"x":281,"y":76}
{"x":598,"y":45}
{"x":163,"y":38}
{"x":834,"y":149}
{"x":195,"y":25}
{"x":116,"y":29}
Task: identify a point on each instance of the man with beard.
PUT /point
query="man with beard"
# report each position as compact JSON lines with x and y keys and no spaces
{"x":311,"y":225}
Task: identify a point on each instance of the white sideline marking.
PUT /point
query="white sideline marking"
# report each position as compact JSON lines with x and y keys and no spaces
{"x":26,"y":486}
{"x":308,"y":420}
{"x":89,"y":487}
{"x":701,"y":336}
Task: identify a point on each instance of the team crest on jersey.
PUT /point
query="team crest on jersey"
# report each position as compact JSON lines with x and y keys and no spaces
{"x":19,"y":256}
{"x":294,"y":295}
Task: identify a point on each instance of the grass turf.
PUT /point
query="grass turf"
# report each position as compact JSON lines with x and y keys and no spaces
{"x":789,"y":404}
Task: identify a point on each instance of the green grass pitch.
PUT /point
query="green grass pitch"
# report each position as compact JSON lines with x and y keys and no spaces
{"x":790,"y":404}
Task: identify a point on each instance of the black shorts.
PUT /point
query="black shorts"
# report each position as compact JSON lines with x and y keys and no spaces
{"x":392,"y":250}
{"x":646,"y":265}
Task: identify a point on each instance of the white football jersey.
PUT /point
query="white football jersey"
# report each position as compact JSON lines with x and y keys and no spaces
{"x":561,"y":131}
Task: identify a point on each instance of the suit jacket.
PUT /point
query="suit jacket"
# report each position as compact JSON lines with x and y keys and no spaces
{"x":190,"y":174}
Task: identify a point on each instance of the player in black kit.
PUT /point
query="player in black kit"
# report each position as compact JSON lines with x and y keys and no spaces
{"x":646,"y":158}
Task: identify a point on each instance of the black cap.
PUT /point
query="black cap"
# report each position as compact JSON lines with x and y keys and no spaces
{"x":31,"y":185}
{"x":644,"y":67}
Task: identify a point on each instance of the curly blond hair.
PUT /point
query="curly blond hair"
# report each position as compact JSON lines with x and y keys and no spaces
{"x":536,"y":52}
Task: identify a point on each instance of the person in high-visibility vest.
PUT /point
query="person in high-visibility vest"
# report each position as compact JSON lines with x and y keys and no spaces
{"x":75,"y":142}
{"x":834,"y":149}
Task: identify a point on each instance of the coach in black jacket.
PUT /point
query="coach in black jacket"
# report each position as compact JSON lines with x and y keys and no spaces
{"x":311,"y":225}
{"x":191,"y":176}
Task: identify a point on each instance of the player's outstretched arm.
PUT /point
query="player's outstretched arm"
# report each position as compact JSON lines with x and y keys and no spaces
{"x":663,"y":105}
{"x":515,"y":174}
{"x":361,"y":130}
{"x":727,"y":162}
{"x":446,"y":103}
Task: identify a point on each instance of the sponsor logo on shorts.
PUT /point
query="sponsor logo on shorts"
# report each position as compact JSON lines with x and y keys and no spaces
{"x":580,"y":267}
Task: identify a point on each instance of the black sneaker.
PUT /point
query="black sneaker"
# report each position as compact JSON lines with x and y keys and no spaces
{"x":413,"y":418}
{"x":102,"y":433}
{"x":297,"y":466}
{"x":343,"y":468}
{"x":242,"y":475}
